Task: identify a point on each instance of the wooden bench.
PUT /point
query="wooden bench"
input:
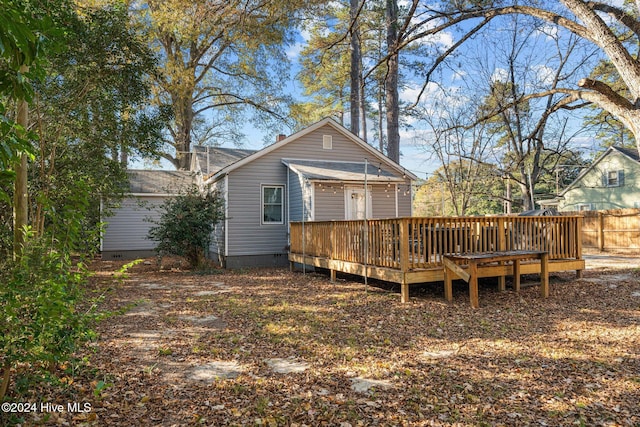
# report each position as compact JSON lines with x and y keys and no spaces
{"x":453,"y":270}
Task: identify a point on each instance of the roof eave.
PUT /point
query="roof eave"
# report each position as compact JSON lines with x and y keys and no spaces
{"x":222,"y":172}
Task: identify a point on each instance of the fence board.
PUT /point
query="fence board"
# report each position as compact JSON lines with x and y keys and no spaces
{"x":617,"y":229}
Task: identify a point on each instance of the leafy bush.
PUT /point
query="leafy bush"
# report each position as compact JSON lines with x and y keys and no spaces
{"x":186,"y":224}
{"x":40,"y":325}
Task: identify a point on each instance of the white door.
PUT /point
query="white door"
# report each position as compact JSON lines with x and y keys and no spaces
{"x":354,"y":203}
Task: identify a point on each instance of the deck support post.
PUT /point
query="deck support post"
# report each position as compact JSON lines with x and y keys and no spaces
{"x":473,"y":284}
{"x":502,"y":282}
{"x":544,"y":275}
{"x":516,"y":275}
{"x":404,"y":258}
{"x":404,"y":290}
{"x":448,"y":285}
{"x":578,"y":240}
{"x":333,"y":275}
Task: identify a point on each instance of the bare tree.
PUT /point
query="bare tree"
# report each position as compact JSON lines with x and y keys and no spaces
{"x":615,"y":37}
{"x":532,"y":136}
{"x":462,"y":151}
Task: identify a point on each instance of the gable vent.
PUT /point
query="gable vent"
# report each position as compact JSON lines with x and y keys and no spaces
{"x":327,"y":142}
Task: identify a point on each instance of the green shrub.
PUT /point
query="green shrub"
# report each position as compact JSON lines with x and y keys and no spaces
{"x":40,"y":325}
{"x":186,"y":224}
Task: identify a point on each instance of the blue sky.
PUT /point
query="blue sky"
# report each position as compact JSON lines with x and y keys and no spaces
{"x":448,"y":88}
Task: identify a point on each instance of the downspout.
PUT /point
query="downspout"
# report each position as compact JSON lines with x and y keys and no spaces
{"x":304,"y":265}
{"x":288,"y":211}
{"x":226,"y":218}
{"x":366,"y":231}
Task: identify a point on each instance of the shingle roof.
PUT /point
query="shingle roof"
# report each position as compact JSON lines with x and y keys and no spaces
{"x":630,"y":152}
{"x":212,"y":159}
{"x":325,"y":170}
{"x":159,"y":181}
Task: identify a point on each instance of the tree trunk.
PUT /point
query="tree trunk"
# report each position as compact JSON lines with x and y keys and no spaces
{"x":20,"y":194}
{"x":184,"y":123}
{"x":363,"y":109}
{"x":391,"y":83}
{"x":354,"y":98}
{"x":6,"y":377}
{"x":380,"y":120}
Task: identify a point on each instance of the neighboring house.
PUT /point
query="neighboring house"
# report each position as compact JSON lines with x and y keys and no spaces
{"x":125,"y":234}
{"x":315,"y":174}
{"x":611,"y":182}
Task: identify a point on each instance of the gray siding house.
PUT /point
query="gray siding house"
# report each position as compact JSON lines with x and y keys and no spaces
{"x":126,"y":225}
{"x":315,"y":174}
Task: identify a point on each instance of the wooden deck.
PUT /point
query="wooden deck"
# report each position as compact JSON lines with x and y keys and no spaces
{"x":411,"y":250}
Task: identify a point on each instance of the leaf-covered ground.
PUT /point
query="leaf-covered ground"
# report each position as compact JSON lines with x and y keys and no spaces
{"x":272,"y":347}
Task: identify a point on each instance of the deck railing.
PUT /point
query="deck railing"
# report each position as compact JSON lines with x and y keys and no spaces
{"x":416,"y":243}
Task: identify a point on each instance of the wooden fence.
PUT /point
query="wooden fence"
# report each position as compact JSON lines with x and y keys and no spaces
{"x":615,"y":230}
{"x":407,"y":244}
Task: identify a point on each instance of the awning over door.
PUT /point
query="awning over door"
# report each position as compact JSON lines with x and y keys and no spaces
{"x":326,"y":170}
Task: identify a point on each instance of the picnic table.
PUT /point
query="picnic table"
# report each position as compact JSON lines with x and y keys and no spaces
{"x":453,"y":268}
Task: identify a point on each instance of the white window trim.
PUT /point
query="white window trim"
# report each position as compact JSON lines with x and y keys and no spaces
{"x":327,"y":142}
{"x":588,"y":207}
{"x":282,"y":210}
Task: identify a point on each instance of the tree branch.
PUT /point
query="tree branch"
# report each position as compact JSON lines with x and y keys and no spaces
{"x":605,"y":90}
{"x":625,"y":19}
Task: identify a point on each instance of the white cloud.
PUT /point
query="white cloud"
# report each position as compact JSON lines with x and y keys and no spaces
{"x":549,"y":31}
{"x":293,"y":52}
{"x":544,"y":74}
{"x":499,"y":75}
{"x":410,"y":93}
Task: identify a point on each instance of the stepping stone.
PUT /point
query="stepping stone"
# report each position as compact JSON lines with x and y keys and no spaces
{"x":286,"y":366}
{"x":208,"y":293}
{"x":440,"y":354}
{"x":221,"y":288}
{"x":144,"y":309}
{"x":364,"y":385}
{"x":215,"y":370}
{"x":148,"y":340}
{"x":608,"y":278}
{"x":153,"y":286}
{"x":210,"y":321}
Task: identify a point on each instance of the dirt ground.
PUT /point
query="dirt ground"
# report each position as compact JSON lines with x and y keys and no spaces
{"x":596,"y":260}
{"x":272,"y":347}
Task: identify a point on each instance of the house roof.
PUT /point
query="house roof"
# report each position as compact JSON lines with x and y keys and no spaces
{"x":212,"y":159}
{"x":158,"y":181}
{"x":632,"y":153}
{"x":324,"y":170}
{"x":327,"y":121}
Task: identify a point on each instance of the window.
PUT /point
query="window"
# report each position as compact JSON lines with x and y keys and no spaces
{"x":584,"y":207}
{"x":613,"y":178}
{"x":272,"y":204}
